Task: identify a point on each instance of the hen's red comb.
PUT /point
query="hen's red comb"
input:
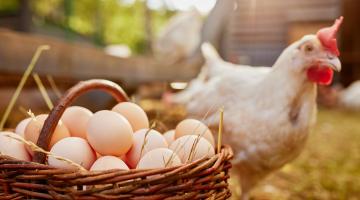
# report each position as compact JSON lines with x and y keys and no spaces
{"x":327,"y":36}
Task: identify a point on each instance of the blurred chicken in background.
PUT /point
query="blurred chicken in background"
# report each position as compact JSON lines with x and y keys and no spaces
{"x":339,"y":97}
{"x":180,"y":37}
{"x":349,"y":98}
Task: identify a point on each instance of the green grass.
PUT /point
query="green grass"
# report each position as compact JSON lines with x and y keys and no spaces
{"x":328,"y":168}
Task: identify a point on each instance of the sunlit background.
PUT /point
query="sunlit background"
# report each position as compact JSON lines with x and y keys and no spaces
{"x":151,"y":47}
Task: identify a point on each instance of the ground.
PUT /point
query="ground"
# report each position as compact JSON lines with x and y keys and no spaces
{"x":328,"y":168}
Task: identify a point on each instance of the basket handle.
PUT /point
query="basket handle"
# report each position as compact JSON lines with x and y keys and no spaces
{"x":71,"y":95}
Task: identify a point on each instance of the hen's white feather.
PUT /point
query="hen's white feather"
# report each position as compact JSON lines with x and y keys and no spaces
{"x":267,"y":111}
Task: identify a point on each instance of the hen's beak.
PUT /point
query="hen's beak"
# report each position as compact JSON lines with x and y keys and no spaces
{"x":333,"y":62}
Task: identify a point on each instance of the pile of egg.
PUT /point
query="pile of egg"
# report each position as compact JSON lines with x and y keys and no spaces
{"x":113,"y":139}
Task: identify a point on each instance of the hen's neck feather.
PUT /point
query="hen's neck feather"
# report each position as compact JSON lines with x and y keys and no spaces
{"x":287,"y":90}
{"x":286,"y":82}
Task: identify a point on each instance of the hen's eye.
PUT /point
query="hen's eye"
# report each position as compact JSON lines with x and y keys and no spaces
{"x":309,"y":48}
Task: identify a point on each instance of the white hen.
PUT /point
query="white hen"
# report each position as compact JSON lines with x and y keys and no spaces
{"x":215,"y":67}
{"x":268,"y":111}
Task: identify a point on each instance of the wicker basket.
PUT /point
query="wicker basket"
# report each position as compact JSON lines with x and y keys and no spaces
{"x":203,"y":179}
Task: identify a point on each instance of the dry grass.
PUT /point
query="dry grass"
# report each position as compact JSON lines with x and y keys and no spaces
{"x":328,"y":168}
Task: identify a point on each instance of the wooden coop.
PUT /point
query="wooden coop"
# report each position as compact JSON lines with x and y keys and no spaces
{"x":256,"y":31}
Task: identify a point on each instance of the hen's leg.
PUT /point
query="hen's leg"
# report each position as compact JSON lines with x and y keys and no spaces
{"x":244,"y":192}
{"x":244,"y":196}
{"x":247,"y":183}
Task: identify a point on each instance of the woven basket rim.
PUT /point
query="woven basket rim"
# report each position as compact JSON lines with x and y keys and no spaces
{"x":8,"y":161}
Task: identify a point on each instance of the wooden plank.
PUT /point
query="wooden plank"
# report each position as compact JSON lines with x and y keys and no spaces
{"x":325,"y":13}
{"x":258,"y":22}
{"x":350,"y":42}
{"x":298,"y":30}
{"x":79,"y":61}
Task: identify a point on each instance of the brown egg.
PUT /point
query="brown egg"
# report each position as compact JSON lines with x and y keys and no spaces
{"x":12,"y":147}
{"x":194,"y":127}
{"x":20,"y":128}
{"x":143,"y":142}
{"x":159,"y":158}
{"x":32,"y":131}
{"x":75,"y":149}
{"x":134,"y":114}
{"x":109,"y":133}
{"x":107,"y":163}
{"x":169,"y":136}
{"x":190,"y":148}
{"x":75,"y":119}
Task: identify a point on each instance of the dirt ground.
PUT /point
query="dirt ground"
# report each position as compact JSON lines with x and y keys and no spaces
{"x":327,"y":169}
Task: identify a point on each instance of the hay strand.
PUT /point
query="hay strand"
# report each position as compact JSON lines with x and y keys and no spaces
{"x":43,"y":92}
{"x":22,"y":82}
{"x":34,"y":147}
{"x":220,"y":129}
{"x":53,"y":86}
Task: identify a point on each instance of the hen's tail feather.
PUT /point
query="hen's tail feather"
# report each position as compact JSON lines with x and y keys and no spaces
{"x":211,"y":57}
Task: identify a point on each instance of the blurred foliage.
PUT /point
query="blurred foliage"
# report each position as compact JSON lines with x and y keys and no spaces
{"x":103,"y":21}
{"x":8,"y":6}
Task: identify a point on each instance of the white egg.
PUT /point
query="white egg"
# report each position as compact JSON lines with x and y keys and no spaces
{"x":134,"y":114}
{"x":20,"y":128}
{"x":109,"y":133}
{"x":159,"y":158}
{"x":107,"y":163}
{"x":75,"y":119}
{"x":192,"y":147}
{"x":169,"y":136}
{"x":145,"y":140}
{"x":12,"y":147}
{"x":75,"y":149}
{"x":194,"y":127}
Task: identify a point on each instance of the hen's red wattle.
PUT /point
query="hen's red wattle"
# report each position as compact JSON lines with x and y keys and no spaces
{"x":320,"y":75}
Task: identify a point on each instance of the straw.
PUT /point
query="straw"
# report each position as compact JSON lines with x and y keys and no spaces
{"x":220,"y":129}
{"x":34,"y":147}
{"x":145,"y":138}
{"x":22,"y":83}
{"x":23,"y":110}
{"x":31,"y":114}
{"x":53,"y":86}
{"x":43,"y":92}
{"x":193,"y":147}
